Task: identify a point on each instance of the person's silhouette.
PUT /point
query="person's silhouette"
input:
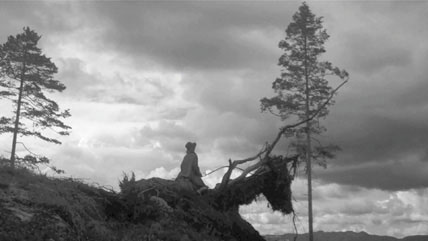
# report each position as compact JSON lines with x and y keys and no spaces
{"x":190,"y":175}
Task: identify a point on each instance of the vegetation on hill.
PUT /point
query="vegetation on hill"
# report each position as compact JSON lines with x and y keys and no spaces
{"x":39,"y":208}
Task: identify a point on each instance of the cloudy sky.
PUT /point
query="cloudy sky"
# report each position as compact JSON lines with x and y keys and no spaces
{"x":143,"y":78}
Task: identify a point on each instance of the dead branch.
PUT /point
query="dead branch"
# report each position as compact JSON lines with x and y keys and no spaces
{"x":234,"y":164}
{"x":248,"y":170}
{"x":211,"y":172}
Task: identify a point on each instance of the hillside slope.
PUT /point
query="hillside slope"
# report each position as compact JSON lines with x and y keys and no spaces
{"x":37,"y":208}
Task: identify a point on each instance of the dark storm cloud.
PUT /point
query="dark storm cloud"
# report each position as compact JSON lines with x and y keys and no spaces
{"x":416,"y":95}
{"x":389,"y":35}
{"x":78,"y":81}
{"x":383,"y":138}
{"x":380,"y":152}
{"x":380,"y":117}
{"x":195,"y":35}
{"x":404,"y":12}
{"x":236,"y":92}
{"x":375,"y":53}
{"x":393,"y":175}
{"x":226,"y":131}
{"x":44,"y":17}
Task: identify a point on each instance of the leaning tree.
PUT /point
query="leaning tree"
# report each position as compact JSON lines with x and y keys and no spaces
{"x":303,"y":92}
{"x":26,"y":76}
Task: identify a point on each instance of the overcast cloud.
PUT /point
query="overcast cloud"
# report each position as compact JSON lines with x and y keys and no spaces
{"x":143,"y":78}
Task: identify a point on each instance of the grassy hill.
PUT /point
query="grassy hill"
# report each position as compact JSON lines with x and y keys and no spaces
{"x":40,"y":208}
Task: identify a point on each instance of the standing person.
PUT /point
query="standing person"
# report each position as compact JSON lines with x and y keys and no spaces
{"x":190,"y":175}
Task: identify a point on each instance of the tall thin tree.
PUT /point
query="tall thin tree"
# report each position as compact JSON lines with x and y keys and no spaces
{"x":26,"y":74}
{"x":302,"y":90}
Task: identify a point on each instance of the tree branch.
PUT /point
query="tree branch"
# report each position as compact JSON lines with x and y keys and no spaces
{"x":234,"y":164}
{"x":27,"y":149}
{"x":211,"y":172}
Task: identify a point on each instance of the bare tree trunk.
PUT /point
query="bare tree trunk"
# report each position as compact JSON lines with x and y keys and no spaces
{"x":309,"y":170}
{"x":18,"y":112}
{"x":308,"y":146}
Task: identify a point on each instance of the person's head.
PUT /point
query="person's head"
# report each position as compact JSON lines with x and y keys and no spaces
{"x":190,"y":147}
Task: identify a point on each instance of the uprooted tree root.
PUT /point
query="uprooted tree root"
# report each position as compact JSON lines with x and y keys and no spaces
{"x":273,"y":180}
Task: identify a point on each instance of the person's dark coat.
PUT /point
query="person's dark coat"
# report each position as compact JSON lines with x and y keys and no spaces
{"x":190,"y":171}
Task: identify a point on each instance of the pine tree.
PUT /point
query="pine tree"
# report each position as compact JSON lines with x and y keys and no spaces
{"x":302,"y":90}
{"x":26,"y":75}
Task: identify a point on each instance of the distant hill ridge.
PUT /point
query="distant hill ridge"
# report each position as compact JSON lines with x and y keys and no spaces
{"x":343,"y":236}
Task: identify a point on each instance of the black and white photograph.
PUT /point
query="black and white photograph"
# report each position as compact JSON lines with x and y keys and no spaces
{"x":213,"y":120}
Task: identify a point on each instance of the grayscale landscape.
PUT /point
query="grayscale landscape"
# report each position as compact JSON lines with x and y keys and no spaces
{"x":126,"y":120}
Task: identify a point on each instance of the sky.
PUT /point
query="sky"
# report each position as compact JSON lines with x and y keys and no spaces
{"x":143,"y":78}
